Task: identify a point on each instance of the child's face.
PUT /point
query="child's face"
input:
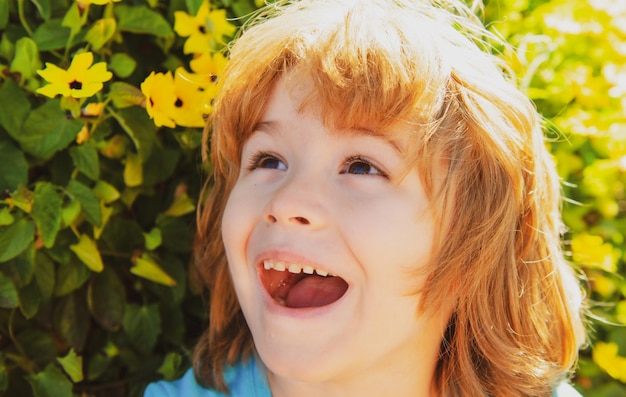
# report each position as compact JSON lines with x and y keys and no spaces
{"x":327,"y":201}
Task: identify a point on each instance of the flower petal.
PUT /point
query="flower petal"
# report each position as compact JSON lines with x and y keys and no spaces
{"x":54,"y":74}
{"x":52,"y":90}
{"x":184,"y":24}
{"x":198,"y":43}
{"x":98,"y":72}
{"x":87,"y":90}
{"x":221,"y":26}
{"x":80,"y":64}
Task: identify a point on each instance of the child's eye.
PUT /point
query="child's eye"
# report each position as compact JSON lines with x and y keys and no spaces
{"x":359,"y":166}
{"x":266,"y":160}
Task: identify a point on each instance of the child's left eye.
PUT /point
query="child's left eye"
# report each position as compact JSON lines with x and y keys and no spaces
{"x":359,"y":166}
{"x":266,"y":160}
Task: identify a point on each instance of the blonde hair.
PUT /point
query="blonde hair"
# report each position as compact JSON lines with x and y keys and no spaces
{"x":478,"y":145}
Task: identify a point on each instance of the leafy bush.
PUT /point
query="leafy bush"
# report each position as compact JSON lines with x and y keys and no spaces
{"x":572,"y":59}
{"x":97,"y":206}
{"x":101,"y":107}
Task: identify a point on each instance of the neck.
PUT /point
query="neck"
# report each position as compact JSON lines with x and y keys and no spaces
{"x":392,"y":380}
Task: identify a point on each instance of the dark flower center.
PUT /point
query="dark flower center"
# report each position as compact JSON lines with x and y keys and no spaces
{"x":178,"y":103}
{"x":76,"y":85}
{"x":202,"y":29}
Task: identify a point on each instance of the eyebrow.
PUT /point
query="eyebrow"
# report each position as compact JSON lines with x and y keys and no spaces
{"x":266,"y":126}
{"x":271,"y":127}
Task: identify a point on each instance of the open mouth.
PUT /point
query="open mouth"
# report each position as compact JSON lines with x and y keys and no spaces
{"x":296,"y":286}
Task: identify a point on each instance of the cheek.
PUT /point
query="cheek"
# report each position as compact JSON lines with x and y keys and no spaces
{"x":235,"y":225}
{"x":394,"y":247}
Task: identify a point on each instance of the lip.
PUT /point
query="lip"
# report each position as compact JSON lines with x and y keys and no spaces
{"x":301,"y":313}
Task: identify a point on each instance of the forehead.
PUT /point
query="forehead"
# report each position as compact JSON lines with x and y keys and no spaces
{"x":292,"y":99}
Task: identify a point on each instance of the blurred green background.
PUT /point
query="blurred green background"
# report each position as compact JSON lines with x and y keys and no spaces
{"x":97,"y":202}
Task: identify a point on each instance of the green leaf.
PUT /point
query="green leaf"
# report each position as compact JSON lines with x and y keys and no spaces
{"x":181,"y":206}
{"x":70,"y":277}
{"x":87,"y":251}
{"x":22,"y":198}
{"x":50,"y":383}
{"x":30,"y":299}
{"x":106,"y":215}
{"x":5,"y":216}
{"x":70,"y":212}
{"x":8,"y":293}
{"x":101,"y":32}
{"x":15,"y":238}
{"x":122,"y":65}
{"x":106,"y":298}
{"x":44,"y":275}
{"x":26,"y":60}
{"x":193,"y":6}
{"x":7,"y":48}
{"x":106,"y":192}
{"x":37,"y":343}
{"x":172,"y":295}
{"x":43,"y":6}
{"x":4,"y":19}
{"x":170,"y":369}
{"x":141,"y":19}
{"x":47,"y":212}
{"x":51,"y":35}
{"x":88,"y":201}
{"x":13,"y":167}
{"x":141,"y":130}
{"x":48,"y":130}
{"x":97,"y":365}
{"x":142,"y":325}
{"x":22,"y":267}
{"x":153,"y":239}
{"x":71,"y":319}
{"x":15,"y":107}
{"x":85,"y":158}
{"x":147,"y":268}
{"x":133,"y":170}
{"x":122,"y":235}
{"x":72,"y":365}
{"x":177,"y":234}
{"x":73,"y":19}
{"x":124,"y":95}
{"x":161,"y":165}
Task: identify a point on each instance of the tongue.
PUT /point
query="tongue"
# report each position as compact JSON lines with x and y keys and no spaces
{"x":316,"y":291}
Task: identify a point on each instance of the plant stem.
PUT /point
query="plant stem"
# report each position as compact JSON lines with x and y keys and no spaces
{"x":20,"y":11}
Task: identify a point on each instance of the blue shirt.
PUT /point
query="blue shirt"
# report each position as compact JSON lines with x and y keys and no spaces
{"x":247,"y":379}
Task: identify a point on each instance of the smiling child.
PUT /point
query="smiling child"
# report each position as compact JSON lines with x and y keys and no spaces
{"x":383,"y":216}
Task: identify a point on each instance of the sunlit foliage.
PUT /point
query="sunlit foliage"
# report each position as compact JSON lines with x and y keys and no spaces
{"x":101,"y":108}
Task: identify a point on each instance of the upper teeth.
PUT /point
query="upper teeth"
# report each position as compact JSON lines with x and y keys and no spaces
{"x":292,"y":267}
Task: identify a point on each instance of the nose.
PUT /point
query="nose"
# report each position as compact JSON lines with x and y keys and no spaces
{"x":298,"y":202}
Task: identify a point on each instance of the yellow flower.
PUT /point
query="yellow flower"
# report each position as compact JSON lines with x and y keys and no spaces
{"x":80,"y":80}
{"x":83,"y":135}
{"x":97,"y":2}
{"x":93,"y":109}
{"x":605,"y":354}
{"x":182,"y":99}
{"x":211,"y":68}
{"x":210,"y":65}
{"x":190,"y":92}
{"x":160,"y":98}
{"x":205,"y":30}
{"x":592,"y":251}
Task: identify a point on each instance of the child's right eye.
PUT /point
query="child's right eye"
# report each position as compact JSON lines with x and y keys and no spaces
{"x":266,"y":160}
